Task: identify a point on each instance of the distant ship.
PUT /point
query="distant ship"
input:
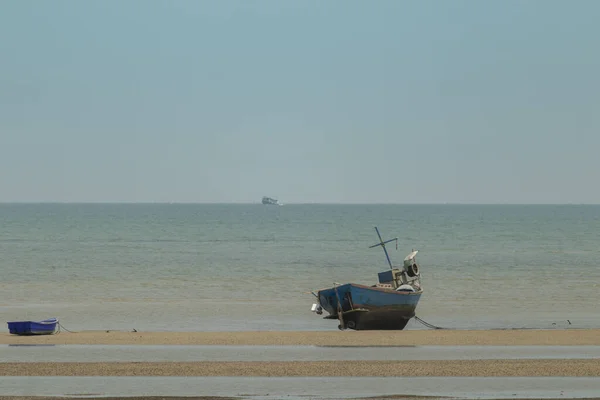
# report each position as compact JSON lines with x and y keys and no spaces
{"x":269,"y":201}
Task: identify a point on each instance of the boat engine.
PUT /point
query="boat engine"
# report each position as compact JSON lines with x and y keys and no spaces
{"x":316,"y":308}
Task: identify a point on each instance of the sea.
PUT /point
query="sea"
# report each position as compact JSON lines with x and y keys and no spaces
{"x":234,"y":267}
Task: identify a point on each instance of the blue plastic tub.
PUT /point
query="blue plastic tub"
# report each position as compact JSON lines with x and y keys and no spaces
{"x":45,"y":327}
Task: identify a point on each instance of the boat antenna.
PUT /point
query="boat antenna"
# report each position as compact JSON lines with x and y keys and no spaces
{"x":382,"y":244}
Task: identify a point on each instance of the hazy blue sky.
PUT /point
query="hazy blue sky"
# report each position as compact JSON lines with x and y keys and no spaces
{"x":307,"y":101}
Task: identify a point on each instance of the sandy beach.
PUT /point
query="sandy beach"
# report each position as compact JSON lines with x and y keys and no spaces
{"x":198,"y":398}
{"x":399,"y":397}
{"x":523,"y":367}
{"x":457,"y":368}
{"x":525,"y":337}
{"x":149,"y":398}
{"x":496,"y":367}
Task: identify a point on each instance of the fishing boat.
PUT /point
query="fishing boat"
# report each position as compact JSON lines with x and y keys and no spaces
{"x":45,"y":327}
{"x":387,"y":305}
{"x":270,"y":201}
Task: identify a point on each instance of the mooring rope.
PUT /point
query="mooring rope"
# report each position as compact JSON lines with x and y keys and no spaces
{"x":61,"y":327}
{"x":427,"y":324}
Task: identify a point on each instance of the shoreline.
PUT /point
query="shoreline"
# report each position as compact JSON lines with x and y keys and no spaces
{"x":374,"y":397}
{"x":242,"y":397}
{"x":442,"y":337}
{"x":459,"y":368}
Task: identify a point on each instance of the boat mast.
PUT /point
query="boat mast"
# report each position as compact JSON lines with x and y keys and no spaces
{"x":382,"y":244}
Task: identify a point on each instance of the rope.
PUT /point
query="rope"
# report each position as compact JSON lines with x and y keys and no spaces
{"x":61,"y":327}
{"x":427,"y":324}
{"x":431,"y":326}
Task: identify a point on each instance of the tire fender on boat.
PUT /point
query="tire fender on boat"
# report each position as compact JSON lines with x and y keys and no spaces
{"x":412,"y":270}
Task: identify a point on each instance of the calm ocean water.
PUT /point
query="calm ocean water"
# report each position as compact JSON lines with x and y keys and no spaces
{"x":236,"y":267}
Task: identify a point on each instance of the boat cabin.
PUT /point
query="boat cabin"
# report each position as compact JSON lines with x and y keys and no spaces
{"x":403,"y":278}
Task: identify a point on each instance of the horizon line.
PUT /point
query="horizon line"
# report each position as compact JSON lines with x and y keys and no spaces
{"x":282,"y":204}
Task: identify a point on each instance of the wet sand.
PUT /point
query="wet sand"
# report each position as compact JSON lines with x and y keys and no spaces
{"x":565,"y":367}
{"x":134,"y":398}
{"x":207,"y":398}
{"x":550,"y":337}
{"x":398,"y":397}
{"x":204,"y":398}
{"x":421,"y":368}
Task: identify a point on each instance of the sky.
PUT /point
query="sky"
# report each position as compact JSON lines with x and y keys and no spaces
{"x":306,"y":101}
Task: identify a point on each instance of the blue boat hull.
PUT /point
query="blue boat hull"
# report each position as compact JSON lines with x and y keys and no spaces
{"x":369,"y":308}
{"x":45,"y":327}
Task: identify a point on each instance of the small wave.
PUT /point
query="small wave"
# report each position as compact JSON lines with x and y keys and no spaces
{"x":119,"y":240}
